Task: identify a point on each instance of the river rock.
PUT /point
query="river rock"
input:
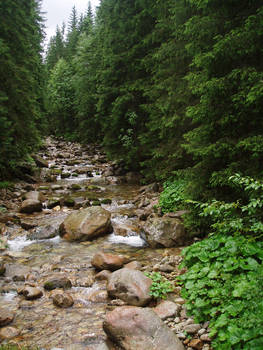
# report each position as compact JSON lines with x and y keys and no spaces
{"x":134,"y":265}
{"x":57,"y":282}
{"x":166,"y":309}
{"x":103,"y":275}
{"x":86,"y":224}
{"x":6,"y":317}
{"x":131,"y":286}
{"x":44,"y":232}
{"x":63,"y":300}
{"x":30,"y":206}
{"x":192,"y":328}
{"x":140,"y":329}
{"x":40,"y":162}
{"x":31,"y":293}
{"x":53,"y":202}
{"x":7,"y":333}
{"x":164,"y":232}
{"x":35,"y":195}
{"x":106,"y":261}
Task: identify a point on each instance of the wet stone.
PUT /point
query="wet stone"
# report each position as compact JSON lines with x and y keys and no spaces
{"x":31,"y":293}
{"x":106,"y":261}
{"x":6,"y":317}
{"x":7,"y":333}
{"x":57,"y":282}
{"x":63,"y":300}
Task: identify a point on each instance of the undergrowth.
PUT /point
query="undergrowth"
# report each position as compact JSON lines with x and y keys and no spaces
{"x":224,"y":281}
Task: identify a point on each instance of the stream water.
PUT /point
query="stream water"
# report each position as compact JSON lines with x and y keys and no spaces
{"x":41,"y":323}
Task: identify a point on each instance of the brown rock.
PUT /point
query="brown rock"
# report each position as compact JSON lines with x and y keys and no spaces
{"x":63,"y":300}
{"x":8,"y":333}
{"x":164,"y":232}
{"x":58,"y":281}
{"x":35,"y":195}
{"x":139,"y":328}
{"x":192,"y":328}
{"x":167,"y":309}
{"x":131,"y":286}
{"x":86,"y":224}
{"x":134,"y":265}
{"x":106,"y":261}
{"x":103,"y":275}
{"x":31,"y":293}
{"x":6,"y":317}
{"x":196,"y":344}
{"x":30,"y":206}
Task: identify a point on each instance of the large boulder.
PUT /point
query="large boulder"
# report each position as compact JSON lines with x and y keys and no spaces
{"x":164,"y":232}
{"x":106,"y":261}
{"x":86,"y":224}
{"x":30,"y":206}
{"x":139,"y":328}
{"x":131,"y":286}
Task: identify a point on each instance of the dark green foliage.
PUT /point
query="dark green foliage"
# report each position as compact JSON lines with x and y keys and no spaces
{"x":224,"y":284}
{"x":21,"y":87}
{"x":224,"y":281}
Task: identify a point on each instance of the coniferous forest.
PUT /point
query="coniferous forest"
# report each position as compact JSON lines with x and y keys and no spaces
{"x":173,"y":90}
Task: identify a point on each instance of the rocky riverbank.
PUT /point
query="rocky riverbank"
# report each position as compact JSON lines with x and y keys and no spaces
{"x":75,"y":244}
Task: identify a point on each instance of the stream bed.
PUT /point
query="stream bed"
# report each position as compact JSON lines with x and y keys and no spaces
{"x":30,"y":261}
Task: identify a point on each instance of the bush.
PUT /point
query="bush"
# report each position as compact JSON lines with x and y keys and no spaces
{"x":172,"y":198}
{"x":224,"y":281}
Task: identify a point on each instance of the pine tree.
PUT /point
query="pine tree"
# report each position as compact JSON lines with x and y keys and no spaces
{"x":21,"y":73}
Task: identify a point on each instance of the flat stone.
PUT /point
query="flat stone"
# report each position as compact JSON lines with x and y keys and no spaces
{"x":7,"y":333}
{"x":139,"y":328}
{"x":106,"y":261}
{"x":192,"y":328}
{"x":166,"y":309}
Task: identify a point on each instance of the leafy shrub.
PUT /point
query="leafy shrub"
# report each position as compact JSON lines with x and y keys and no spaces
{"x":160,"y":286}
{"x":172,"y":198}
{"x":224,"y":282}
{"x":5,"y":184}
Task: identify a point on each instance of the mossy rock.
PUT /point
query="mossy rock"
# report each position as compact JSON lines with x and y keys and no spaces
{"x":56,"y":171}
{"x":69,"y":202}
{"x":96,"y":203}
{"x":75,"y":187}
{"x":75,"y":175}
{"x":65,"y":175}
{"x":92,"y":188}
{"x":106,"y":201}
{"x":43,"y":188}
{"x":60,"y":282}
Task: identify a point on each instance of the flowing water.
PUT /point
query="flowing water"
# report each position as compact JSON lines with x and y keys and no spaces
{"x":41,"y":323}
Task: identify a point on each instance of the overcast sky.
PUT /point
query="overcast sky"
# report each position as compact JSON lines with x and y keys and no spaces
{"x":58,"y":11}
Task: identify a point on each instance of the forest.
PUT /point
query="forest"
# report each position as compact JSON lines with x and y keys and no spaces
{"x":173,"y":90}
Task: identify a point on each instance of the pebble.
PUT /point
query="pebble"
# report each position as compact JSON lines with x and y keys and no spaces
{"x":192,"y":328}
{"x":205,"y":337}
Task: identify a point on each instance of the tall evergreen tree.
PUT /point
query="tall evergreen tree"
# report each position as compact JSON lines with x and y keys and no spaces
{"x":21,"y":72}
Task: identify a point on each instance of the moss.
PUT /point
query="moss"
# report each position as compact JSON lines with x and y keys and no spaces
{"x":106,"y":201}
